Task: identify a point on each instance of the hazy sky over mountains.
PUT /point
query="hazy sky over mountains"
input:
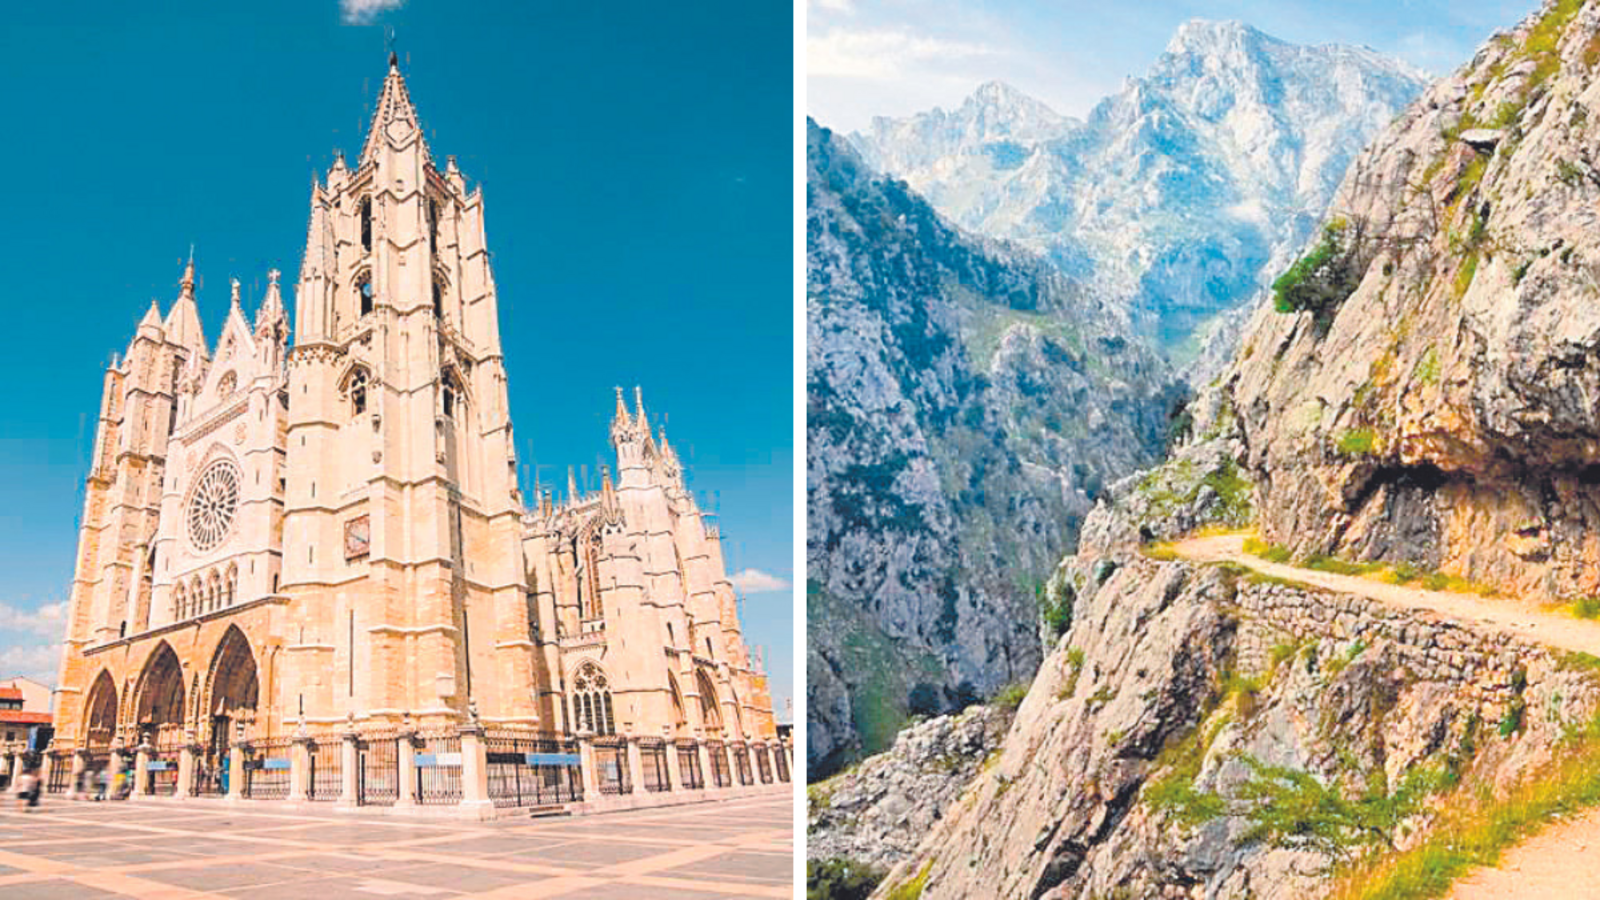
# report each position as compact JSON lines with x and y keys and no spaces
{"x":896,"y":57}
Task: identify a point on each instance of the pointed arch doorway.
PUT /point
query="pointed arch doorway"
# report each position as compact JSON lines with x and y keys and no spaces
{"x":232,"y":694}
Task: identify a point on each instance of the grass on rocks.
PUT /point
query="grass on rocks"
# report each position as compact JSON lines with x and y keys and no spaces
{"x":1474,"y":827}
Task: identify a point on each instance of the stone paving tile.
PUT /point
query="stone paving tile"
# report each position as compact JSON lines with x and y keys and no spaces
{"x":355,"y":887}
{"x":600,"y":853}
{"x":711,"y":851}
{"x":54,"y":889}
{"x":770,"y":868}
{"x":232,"y":875}
{"x":457,"y":877}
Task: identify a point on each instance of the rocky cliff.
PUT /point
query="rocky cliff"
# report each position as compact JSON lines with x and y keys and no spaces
{"x":1201,"y":732}
{"x":1184,"y":193}
{"x":965,"y":405}
{"x":1433,"y":394}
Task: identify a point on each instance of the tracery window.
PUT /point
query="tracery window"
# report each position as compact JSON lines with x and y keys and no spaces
{"x":213,"y":503}
{"x":180,"y":609}
{"x":590,"y":606}
{"x":438,"y":300}
{"x":710,"y":711}
{"x":591,"y":701}
{"x":366,"y":225}
{"x":357,"y":389}
{"x":433,"y":225}
{"x":451,"y":396}
{"x":364,"y":289}
{"x":227,"y":384}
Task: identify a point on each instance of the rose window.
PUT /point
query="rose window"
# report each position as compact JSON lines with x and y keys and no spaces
{"x":212,"y":506}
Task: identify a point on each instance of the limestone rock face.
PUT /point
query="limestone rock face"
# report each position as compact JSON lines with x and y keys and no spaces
{"x":966,"y":404}
{"x":1447,"y":412}
{"x":876,"y":812}
{"x":1135,"y":700}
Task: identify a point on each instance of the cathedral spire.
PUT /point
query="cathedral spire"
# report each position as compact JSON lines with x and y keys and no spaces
{"x":271,"y":311}
{"x":622,"y":422}
{"x":183,"y":322}
{"x":394,"y":119}
{"x":572,"y":487}
{"x":640,"y":419}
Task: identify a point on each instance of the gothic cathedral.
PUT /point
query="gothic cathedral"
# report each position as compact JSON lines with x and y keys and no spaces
{"x":327,"y":532}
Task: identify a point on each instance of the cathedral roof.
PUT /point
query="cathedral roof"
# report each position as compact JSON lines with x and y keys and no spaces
{"x":394,"y":109}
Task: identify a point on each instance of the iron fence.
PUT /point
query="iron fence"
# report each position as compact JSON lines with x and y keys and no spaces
{"x":527,"y":770}
{"x":378,"y":769}
{"x":611,"y":765}
{"x":653,"y":759}
{"x":163,"y":771}
{"x":741,"y":762}
{"x":209,"y":778}
{"x":689,"y":767}
{"x":438,"y":764}
{"x":266,"y":769}
{"x":719,"y":764}
{"x":60,"y":779}
{"x":327,"y":768}
{"x":764,"y":765}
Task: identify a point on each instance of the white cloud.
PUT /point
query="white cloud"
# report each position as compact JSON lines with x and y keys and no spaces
{"x":755,"y":581}
{"x":36,"y":661}
{"x":362,"y":12}
{"x":47,"y":621}
{"x":840,"y":53}
{"x":835,"y":6}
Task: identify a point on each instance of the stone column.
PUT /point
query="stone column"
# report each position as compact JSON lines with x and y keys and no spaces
{"x":707,"y":781}
{"x":591,"y":781}
{"x":236,"y":772}
{"x":141,"y":770}
{"x":299,"y":767}
{"x":350,"y":759}
{"x":185,"y":771}
{"x":115,"y":767}
{"x":635,"y":765}
{"x":406,"y":771}
{"x":674,"y":771}
{"x":80,"y":762}
{"x":474,"y":771}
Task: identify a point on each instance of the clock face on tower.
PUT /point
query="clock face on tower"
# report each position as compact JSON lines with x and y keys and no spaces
{"x":357,"y":537}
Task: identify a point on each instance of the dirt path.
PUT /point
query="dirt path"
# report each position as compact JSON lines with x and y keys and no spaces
{"x":1561,"y":861}
{"x":1495,"y":614}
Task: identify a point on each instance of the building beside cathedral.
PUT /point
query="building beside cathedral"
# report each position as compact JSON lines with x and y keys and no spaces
{"x":322,"y":531}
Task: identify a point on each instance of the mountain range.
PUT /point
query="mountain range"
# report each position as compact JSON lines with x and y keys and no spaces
{"x":1182,"y":194}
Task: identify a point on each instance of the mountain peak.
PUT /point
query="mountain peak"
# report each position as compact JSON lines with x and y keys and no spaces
{"x":1207,"y":35}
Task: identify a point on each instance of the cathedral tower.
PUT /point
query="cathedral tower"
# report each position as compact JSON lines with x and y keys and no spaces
{"x":402,"y":498}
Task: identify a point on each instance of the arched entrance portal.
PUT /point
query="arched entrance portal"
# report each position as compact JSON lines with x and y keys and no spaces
{"x":100,"y":713}
{"x":159,"y":714}
{"x":232,"y":692}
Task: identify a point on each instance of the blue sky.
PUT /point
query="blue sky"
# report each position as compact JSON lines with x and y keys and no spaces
{"x":636,"y":161}
{"x":896,"y":57}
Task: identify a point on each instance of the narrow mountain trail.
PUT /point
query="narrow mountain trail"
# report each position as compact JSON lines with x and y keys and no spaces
{"x":1563,"y":859}
{"x":1495,"y":614}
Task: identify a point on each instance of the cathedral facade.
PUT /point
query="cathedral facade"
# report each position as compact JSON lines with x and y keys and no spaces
{"x":319,"y":526}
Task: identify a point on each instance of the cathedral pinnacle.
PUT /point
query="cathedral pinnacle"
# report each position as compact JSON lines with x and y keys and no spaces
{"x":233,"y":285}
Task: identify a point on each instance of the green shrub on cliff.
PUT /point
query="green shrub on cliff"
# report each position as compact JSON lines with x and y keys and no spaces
{"x":1323,"y":278}
{"x":840,"y":879}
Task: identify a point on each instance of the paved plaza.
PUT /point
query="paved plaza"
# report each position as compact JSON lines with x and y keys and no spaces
{"x":68,"y":850}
